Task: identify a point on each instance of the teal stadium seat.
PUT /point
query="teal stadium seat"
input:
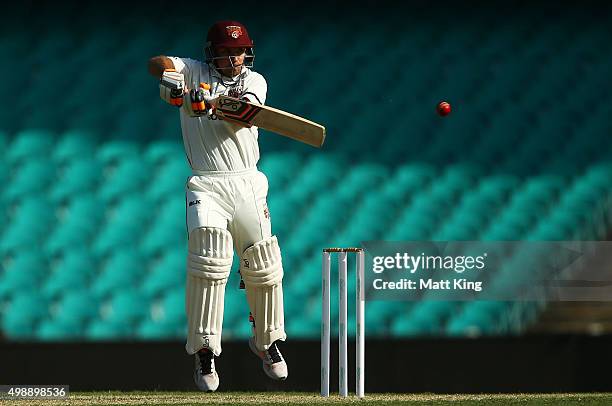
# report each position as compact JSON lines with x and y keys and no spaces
{"x":23,"y":271}
{"x":168,"y":230}
{"x":121,"y":270}
{"x":32,"y":219}
{"x":28,"y":144}
{"x":319,"y":172}
{"x":77,"y":261}
{"x":22,"y":315}
{"x":170,"y":271}
{"x":379,"y":315}
{"x":151,"y":330}
{"x":361,"y":178}
{"x":125,"y":225}
{"x":477,"y":318}
{"x":52,"y":330}
{"x":305,"y":327}
{"x":457,"y":232}
{"x":158,"y":152}
{"x":73,"y":270}
{"x":102,"y":330}
{"x":497,"y":188}
{"x":419,"y":219}
{"x":173,"y":306}
{"x":412,"y":177}
{"x":112,"y":152}
{"x":170,"y":178}
{"x":127,"y":306}
{"x":32,"y":177}
{"x":167,"y":319}
{"x":364,"y":225}
{"x":279,"y":168}
{"x":297,"y":276}
{"x":405,"y":326}
{"x":129,"y":175}
{"x":236,"y":311}
{"x":79,"y":224}
{"x":74,"y":145}
{"x":79,"y":176}
{"x":139,"y":121}
{"x":70,"y":317}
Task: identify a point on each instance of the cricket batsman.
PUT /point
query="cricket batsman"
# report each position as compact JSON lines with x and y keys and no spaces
{"x":225,"y":201}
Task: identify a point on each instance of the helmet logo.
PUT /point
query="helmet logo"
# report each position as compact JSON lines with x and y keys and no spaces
{"x":234,"y":31}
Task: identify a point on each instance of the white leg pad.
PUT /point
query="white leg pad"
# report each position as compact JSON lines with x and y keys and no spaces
{"x":262,"y":271}
{"x":209,"y":264}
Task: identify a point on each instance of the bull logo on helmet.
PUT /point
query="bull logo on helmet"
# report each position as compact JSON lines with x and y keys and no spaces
{"x":234,"y":31}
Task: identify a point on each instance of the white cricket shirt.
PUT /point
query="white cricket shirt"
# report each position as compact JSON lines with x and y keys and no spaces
{"x":212,"y":144}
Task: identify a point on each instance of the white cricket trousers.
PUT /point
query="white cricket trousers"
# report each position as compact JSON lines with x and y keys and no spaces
{"x":235,"y":201}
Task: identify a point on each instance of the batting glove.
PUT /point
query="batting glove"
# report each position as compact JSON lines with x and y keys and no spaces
{"x":172,"y":87}
{"x":198,"y":102}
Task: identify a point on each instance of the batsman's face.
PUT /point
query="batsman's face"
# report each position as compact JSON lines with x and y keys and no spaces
{"x":230,"y":60}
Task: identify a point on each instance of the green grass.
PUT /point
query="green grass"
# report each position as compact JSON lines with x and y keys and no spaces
{"x":253,"y":398}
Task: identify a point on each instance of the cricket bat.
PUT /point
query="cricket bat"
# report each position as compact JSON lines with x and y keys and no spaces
{"x":252,"y":114}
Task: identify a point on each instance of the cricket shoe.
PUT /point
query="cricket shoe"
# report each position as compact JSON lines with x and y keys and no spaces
{"x":205,"y":375}
{"x":273,"y":363}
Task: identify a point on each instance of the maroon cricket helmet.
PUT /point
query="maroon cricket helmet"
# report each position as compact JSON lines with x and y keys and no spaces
{"x":229,"y":34}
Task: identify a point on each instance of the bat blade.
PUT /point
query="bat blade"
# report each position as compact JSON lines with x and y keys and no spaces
{"x":271,"y":119}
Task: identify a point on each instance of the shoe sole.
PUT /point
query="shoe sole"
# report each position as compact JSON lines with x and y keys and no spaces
{"x":255,"y":351}
{"x":195,"y":379}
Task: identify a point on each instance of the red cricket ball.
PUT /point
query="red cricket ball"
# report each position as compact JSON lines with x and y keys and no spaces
{"x":444,"y":108}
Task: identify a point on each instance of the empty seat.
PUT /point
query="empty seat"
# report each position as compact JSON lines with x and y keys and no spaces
{"x":22,"y":314}
{"x":34,"y":175}
{"x":129,"y":175}
{"x":81,"y":175}
{"x":478,"y":318}
{"x":158,"y":152}
{"x":113,"y":152}
{"x":74,"y":145}
{"x":154,"y":330}
{"x":62,"y":281}
{"x":127,"y":306}
{"x":54,"y":330}
{"x":279,"y":168}
{"x":167,"y":318}
{"x":80,"y":222}
{"x":102,"y":330}
{"x":31,"y":219}
{"x":77,"y":306}
{"x":168,"y":273}
{"x":124,"y":226}
{"x":121,"y":270}
{"x":170,"y":179}
{"x":28,"y":144}
{"x":23,"y":272}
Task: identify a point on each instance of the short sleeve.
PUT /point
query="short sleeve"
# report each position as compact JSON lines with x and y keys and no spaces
{"x":185,"y":66}
{"x":256,"y":89}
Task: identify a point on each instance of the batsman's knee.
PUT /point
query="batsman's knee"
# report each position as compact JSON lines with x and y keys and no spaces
{"x":261,"y":263}
{"x":210,"y":253}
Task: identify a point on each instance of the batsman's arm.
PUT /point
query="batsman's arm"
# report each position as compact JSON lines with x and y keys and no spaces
{"x":158,"y":64}
{"x":172,"y":83}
